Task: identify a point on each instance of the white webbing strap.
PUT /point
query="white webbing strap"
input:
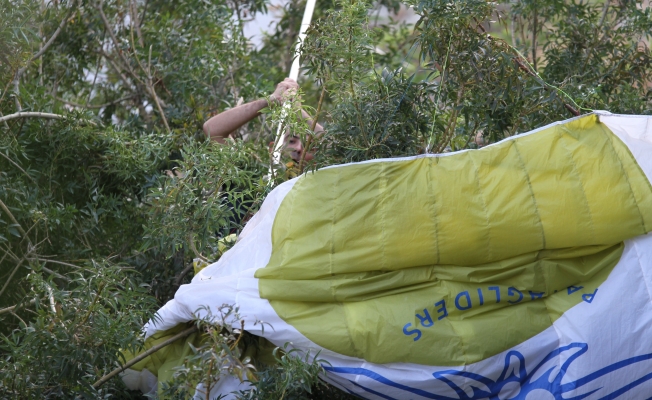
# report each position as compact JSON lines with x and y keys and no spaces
{"x":294,"y":74}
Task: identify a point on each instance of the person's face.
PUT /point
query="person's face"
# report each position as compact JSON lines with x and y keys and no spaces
{"x":294,"y":149}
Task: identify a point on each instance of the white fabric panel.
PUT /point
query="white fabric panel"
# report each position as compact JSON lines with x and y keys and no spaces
{"x":579,"y":354}
{"x":636,"y":132}
{"x":143,"y":380}
{"x":218,"y":283}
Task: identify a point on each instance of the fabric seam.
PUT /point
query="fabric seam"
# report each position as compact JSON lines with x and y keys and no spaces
{"x":626,"y":174}
{"x":581,"y":183}
{"x":534,"y":200}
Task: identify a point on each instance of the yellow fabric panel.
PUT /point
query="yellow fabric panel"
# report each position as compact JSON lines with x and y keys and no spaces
{"x":638,"y":182}
{"x":543,"y":271}
{"x":549,"y":190}
{"x":162,"y":362}
{"x":456,"y":248}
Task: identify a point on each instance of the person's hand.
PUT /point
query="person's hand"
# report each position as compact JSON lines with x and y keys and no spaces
{"x":284,"y":90}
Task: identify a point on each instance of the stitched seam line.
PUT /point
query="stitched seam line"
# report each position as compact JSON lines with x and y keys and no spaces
{"x":484,"y":206}
{"x":382,"y":183}
{"x":625,"y":174}
{"x":640,"y":264}
{"x":434,"y":206}
{"x":579,"y":178}
{"x":331,"y":253}
{"x":534,"y":200}
{"x":293,"y":196}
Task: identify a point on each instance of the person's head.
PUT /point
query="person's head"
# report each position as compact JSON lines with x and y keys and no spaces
{"x":294,"y":148}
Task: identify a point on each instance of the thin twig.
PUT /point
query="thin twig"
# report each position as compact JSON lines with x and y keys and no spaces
{"x":148,"y":72}
{"x":115,"y":68}
{"x":6,"y":89}
{"x":58,"y":275}
{"x":43,"y":49}
{"x":55,"y":262}
{"x":36,"y":114}
{"x":148,"y":85}
{"x":452,"y":122}
{"x":5,"y":122}
{"x":571,"y":109}
{"x":441,"y":83}
{"x":20,"y":319}
{"x":136,"y":23}
{"x":511,"y":30}
{"x":13,"y":219}
{"x":122,"y":57}
{"x":605,"y":9}
{"x":11,"y":254}
{"x":95,"y":106}
{"x":191,"y":242}
{"x":31,"y":114}
{"x":144,"y":355}
{"x":97,"y":72}
{"x":11,"y":276}
{"x":312,"y":128}
{"x":186,"y":271}
{"x":12,"y":308}
{"x":153,"y":92}
{"x":535,"y":26}
{"x":235,"y":344}
{"x":18,"y":166}
{"x":209,"y":378}
{"x":90,"y":309}
{"x":55,"y":34}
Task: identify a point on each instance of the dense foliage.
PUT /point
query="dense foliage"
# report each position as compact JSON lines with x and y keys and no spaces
{"x":109,"y":189}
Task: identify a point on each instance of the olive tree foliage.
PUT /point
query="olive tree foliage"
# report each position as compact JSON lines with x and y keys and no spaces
{"x":476,"y":72}
{"x":109,"y":188}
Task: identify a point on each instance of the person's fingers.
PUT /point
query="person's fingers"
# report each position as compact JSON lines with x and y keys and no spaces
{"x":288,"y":88}
{"x":293,"y":84}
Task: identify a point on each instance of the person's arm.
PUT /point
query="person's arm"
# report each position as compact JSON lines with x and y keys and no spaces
{"x":318,"y":128}
{"x":219,"y":127}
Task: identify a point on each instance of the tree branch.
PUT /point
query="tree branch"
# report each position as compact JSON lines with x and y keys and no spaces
{"x":22,"y":232}
{"x":114,"y":39}
{"x":452,"y":122}
{"x":148,"y":84}
{"x":43,"y":49}
{"x":58,"y":275}
{"x":95,"y":106}
{"x":12,"y":308}
{"x":55,"y":262}
{"x":5,"y":122}
{"x":186,"y":271}
{"x":36,"y":114}
{"x":144,"y":355}
{"x":605,"y":9}
{"x":136,"y":22}
{"x":54,"y":35}
{"x":49,"y":271}
{"x":12,"y":218}
{"x":4,"y":287}
{"x":312,"y":128}
{"x":17,"y":166}
{"x":535,"y":27}
{"x":31,"y":114}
